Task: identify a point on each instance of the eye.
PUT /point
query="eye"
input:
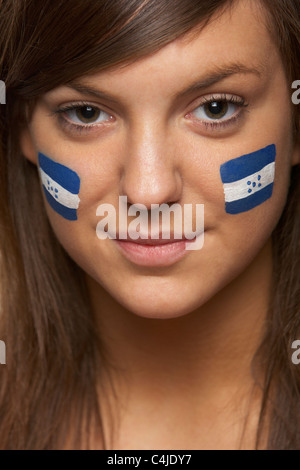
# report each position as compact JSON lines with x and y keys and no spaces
{"x":81,"y":118}
{"x":216,"y":110}
{"x":85,"y":114}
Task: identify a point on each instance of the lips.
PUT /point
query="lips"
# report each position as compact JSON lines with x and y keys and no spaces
{"x":152,"y":241}
{"x":150,"y":252}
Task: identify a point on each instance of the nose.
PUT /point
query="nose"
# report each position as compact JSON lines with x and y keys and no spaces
{"x":150,"y":174}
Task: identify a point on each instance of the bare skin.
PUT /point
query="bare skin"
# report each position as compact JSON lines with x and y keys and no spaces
{"x":180,"y":338}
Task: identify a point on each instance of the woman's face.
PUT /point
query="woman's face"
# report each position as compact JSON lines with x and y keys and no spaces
{"x":168,"y":126}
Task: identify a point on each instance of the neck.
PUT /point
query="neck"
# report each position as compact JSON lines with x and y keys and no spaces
{"x":206,"y":353}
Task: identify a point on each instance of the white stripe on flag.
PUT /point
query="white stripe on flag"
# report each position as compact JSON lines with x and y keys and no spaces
{"x":240,"y":189}
{"x":64,"y":197}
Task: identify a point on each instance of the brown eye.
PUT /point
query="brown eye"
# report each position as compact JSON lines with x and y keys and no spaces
{"x":87,"y":114}
{"x":216,"y":109}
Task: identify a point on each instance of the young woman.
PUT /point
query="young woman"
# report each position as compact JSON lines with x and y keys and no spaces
{"x":123,"y":343}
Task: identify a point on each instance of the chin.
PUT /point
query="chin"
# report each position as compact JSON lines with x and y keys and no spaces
{"x":158,"y":312}
{"x":161,"y":307}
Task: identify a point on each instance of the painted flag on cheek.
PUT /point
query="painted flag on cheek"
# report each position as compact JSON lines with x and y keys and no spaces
{"x":61,"y":187}
{"x":248,"y":180}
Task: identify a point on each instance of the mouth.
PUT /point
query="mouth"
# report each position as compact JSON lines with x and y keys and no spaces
{"x":152,"y":252}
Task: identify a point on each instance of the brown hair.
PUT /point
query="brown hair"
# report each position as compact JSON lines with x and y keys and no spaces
{"x":47,"y":324}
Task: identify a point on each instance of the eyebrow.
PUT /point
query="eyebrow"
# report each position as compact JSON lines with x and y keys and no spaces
{"x":216,"y":75}
{"x":88,"y":90}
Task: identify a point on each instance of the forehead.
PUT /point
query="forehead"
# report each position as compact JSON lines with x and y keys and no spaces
{"x":234,"y":14}
{"x":234,"y":41}
{"x":237,"y":35}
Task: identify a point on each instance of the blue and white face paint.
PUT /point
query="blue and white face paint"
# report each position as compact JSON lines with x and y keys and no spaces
{"x":61,"y":187}
{"x":248,"y":180}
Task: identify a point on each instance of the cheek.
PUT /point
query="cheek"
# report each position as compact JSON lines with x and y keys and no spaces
{"x":97,"y":178}
{"x":248,"y":180}
{"x":244,"y":196}
{"x":75,"y":182}
{"x":61,"y":186}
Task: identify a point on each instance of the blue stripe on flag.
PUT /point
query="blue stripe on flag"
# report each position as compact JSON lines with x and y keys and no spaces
{"x":244,"y":166}
{"x":67,"y":178}
{"x":66,"y":212}
{"x":243,"y":205}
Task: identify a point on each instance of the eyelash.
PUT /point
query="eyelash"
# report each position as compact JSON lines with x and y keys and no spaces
{"x":214,"y":125}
